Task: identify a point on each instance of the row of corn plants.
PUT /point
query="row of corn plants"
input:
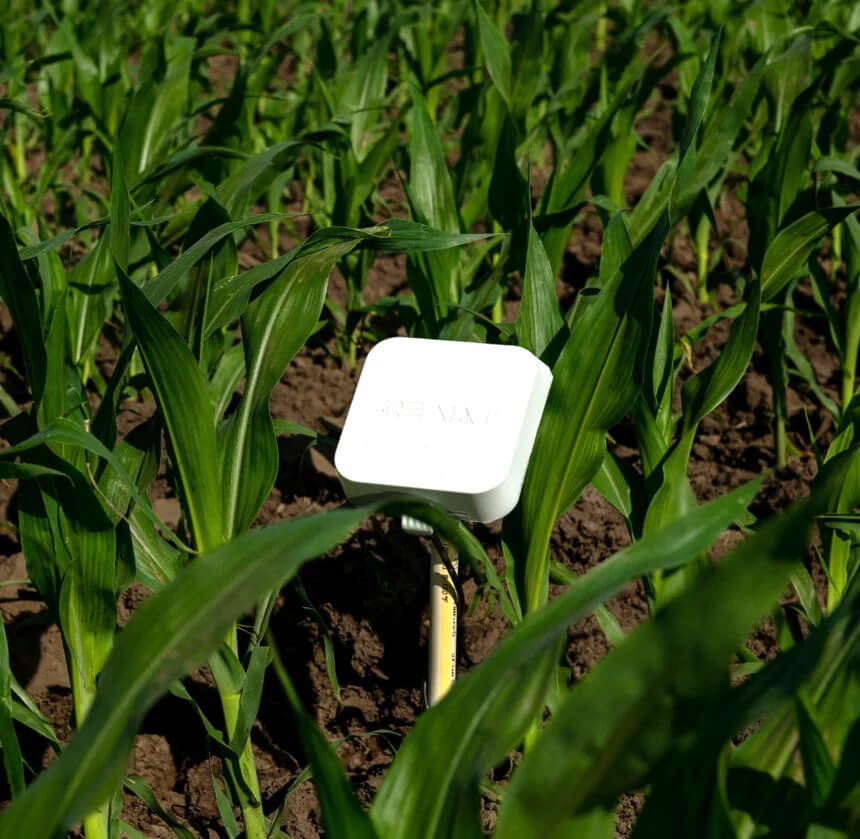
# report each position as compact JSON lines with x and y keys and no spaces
{"x":137,"y":181}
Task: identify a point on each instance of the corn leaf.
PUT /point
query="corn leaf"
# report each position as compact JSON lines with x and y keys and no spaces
{"x":18,"y":294}
{"x":13,"y":761}
{"x":634,"y":700}
{"x":274,"y":328}
{"x":793,"y":245}
{"x":183,"y":398}
{"x":595,"y":380}
{"x":539,"y":320}
{"x":496,"y":53}
{"x":170,"y":633}
{"x":489,"y":709}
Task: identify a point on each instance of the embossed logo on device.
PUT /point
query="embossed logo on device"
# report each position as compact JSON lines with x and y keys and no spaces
{"x":448,"y":413}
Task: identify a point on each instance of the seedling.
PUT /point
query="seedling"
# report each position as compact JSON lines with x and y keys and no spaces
{"x":450,"y":423}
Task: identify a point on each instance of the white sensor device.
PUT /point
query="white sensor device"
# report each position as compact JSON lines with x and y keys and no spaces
{"x":449,"y":422}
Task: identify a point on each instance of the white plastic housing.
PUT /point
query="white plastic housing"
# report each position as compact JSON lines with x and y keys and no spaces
{"x":448,"y":422}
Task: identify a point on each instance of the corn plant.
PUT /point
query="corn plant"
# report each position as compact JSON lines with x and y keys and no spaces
{"x":158,"y":181}
{"x":490,"y":709}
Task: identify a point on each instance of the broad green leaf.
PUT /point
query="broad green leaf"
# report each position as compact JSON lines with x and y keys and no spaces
{"x":66,"y":433}
{"x":430,"y":182}
{"x":819,"y":771}
{"x":120,"y":211}
{"x":156,"y":108}
{"x":183,"y":399}
{"x":290,"y":427}
{"x":707,"y":773}
{"x":364,"y":94}
{"x":92,"y":284}
{"x":777,"y":193}
{"x":47,"y":559}
{"x":155,"y":560}
{"x":709,"y":388}
{"x":241,"y":189}
{"x":190,"y":308}
{"x":410,"y":236}
{"x":431,"y":193}
{"x":570,"y":179}
{"x":274,"y":328}
{"x":634,"y":700}
{"x":539,"y":318}
{"x":699,"y":97}
{"x":169,"y":634}
{"x":496,"y":53}
{"x":87,"y":605}
{"x":58,"y":398}
{"x":137,"y":457}
{"x":719,"y":137}
{"x":595,"y":381}
{"x":793,"y":245}
{"x":508,"y":193}
{"x":252,"y":693}
{"x":161,"y":285}
{"x":611,"y":482}
{"x":230,"y":295}
{"x":229,"y":370}
{"x":490,"y":708}
{"x":22,"y":471}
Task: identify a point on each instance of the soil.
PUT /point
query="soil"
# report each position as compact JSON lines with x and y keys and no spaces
{"x":372,"y":592}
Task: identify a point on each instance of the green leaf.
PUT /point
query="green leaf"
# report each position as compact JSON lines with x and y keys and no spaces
{"x":274,"y":328}
{"x":569,"y":181}
{"x":410,"y":236}
{"x":430,"y":182}
{"x":489,"y":709}
{"x":163,"y":284}
{"x":431,"y":194}
{"x":508,"y":196}
{"x":539,"y":318}
{"x":13,"y":761}
{"x":819,"y":771}
{"x":183,"y":399}
{"x":92,"y":285}
{"x":793,"y":245}
{"x":364,"y":94}
{"x":595,"y":381}
{"x":170,"y":633}
{"x":157,"y":108}
{"x":120,"y":233}
{"x":252,"y":693}
{"x":496,"y":53}
{"x":708,"y":389}
{"x":22,"y":471}
{"x":19,"y":295}
{"x":634,"y":700}
{"x":241,"y":189}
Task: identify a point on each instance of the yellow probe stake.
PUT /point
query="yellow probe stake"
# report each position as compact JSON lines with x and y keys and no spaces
{"x":443,"y":625}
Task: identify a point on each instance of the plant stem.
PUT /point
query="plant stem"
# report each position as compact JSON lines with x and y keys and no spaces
{"x":252,"y":810}
{"x":781,"y":442}
{"x":97,"y":823}
{"x":702,"y":230}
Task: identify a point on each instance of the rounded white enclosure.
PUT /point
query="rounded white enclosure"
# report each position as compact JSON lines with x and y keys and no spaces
{"x":448,"y":422}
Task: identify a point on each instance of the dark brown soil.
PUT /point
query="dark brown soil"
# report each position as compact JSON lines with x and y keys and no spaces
{"x":372,"y":592}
